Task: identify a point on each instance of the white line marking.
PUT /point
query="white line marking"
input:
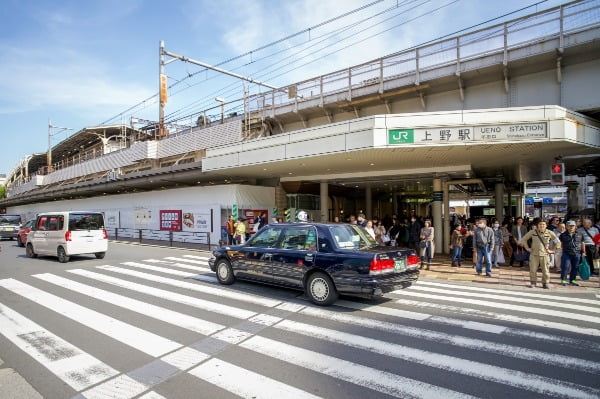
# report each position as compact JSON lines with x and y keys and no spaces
{"x":69,"y":363}
{"x":506,"y":298}
{"x":135,"y":337}
{"x":152,"y":395}
{"x":205,"y":258}
{"x":159,"y":269}
{"x":171,"y":296}
{"x":193,"y":261}
{"x":499,"y":316}
{"x":221,"y":292}
{"x":500,"y":305}
{"x":377,"y":380}
{"x":245,"y":383}
{"x":185,"y":358}
{"x":232,"y":335}
{"x":168,"y":316}
{"x":122,"y":387}
{"x":405,"y":314}
{"x":457,"y":340}
{"x":180,"y":265}
{"x":556,"y":298}
{"x":453,"y":364}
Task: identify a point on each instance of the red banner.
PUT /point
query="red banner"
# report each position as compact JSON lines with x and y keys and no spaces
{"x":170,"y":220}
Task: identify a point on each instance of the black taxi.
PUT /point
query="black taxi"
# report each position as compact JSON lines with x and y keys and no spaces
{"x":322,"y":259}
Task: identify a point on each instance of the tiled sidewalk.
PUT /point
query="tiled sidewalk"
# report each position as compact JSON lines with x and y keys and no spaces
{"x":504,"y":275}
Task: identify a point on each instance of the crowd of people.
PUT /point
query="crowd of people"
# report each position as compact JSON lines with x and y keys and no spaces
{"x":542,"y":245}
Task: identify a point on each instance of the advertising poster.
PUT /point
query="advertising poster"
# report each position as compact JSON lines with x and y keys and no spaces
{"x":197,"y":221}
{"x":141,"y":217}
{"x":170,"y":220}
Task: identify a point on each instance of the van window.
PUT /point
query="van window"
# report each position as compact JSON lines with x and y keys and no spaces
{"x":42,"y":223}
{"x":86,"y":221}
{"x":55,"y":223}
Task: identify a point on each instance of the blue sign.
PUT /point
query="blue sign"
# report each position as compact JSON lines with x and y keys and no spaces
{"x":529,"y":201}
{"x":546,"y":200}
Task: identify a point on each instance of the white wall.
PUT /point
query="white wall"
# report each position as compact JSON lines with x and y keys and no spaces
{"x":141,"y":210}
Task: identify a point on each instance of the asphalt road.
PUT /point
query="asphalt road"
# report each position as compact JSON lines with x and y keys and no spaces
{"x":153,"y":322}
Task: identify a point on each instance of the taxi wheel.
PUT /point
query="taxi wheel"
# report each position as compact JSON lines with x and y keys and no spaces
{"x":29,"y":251}
{"x":321,"y":289}
{"x":62,"y":255}
{"x":224,"y":272}
{"x":19,"y":242}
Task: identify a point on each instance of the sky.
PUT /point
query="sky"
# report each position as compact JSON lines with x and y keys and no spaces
{"x":86,"y":63}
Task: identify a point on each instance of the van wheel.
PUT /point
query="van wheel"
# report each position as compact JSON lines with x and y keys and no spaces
{"x":100,"y":255}
{"x":29,"y":251}
{"x":62,"y":255}
{"x":19,"y":242}
{"x":224,"y":272}
{"x":321,"y":289}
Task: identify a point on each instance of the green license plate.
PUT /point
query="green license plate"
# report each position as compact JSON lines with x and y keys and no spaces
{"x":399,"y":265}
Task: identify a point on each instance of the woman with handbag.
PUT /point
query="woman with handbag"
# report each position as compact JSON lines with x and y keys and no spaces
{"x":426,"y":244}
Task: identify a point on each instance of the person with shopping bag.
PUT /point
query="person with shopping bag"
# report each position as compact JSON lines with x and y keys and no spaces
{"x":573,"y":248}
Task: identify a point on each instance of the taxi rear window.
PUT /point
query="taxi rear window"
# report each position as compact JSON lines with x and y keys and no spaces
{"x":86,"y":221}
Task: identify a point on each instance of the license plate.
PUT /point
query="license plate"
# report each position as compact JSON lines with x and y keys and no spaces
{"x":399,"y":265}
{"x":9,"y":229}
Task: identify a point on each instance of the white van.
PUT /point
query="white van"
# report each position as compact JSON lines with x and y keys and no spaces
{"x":63,"y":234}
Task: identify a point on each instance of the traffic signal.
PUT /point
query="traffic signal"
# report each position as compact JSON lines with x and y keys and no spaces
{"x":557,"y":173}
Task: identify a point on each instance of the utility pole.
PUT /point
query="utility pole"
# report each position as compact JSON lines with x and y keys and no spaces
{"x":162,"y":84}
{"x":50,"y":134}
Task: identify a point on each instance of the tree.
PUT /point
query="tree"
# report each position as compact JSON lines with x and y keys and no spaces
{"x":2,"y":190}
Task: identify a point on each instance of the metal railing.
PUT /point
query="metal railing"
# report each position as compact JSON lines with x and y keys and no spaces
{"x":183,"y":239}
{"x":531,"y":29}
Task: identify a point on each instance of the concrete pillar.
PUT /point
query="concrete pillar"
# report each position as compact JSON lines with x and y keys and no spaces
{"x":368,"y":202}
{"x":521,"y":203}
{"x":436,"y":210}
{"x":572,"y":196}
{"x":509,"y":200}
{"x":395,"y":203}
{"x":596,"y":196}
{"x":499,"y":201}
{"x":447,"y":230}
{"x":324,"y":201}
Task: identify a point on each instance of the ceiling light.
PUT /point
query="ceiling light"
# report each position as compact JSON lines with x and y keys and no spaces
{"x":372,"y":164}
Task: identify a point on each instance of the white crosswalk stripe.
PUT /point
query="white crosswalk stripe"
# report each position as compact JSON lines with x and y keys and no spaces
{"x":407,"y":330}
{"x":128,"y":334}
{"x":71,"y":364}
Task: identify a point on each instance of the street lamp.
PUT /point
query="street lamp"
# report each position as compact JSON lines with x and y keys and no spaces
{"x":222,"y":101}
{"x":51,"y":134}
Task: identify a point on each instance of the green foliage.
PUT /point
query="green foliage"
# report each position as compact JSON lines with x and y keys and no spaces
{"x":2,"y":190}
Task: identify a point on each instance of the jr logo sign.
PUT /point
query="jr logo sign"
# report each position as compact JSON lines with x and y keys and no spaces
{"x":401,"y":136}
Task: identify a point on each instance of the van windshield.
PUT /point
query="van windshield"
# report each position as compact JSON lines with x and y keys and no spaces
{"x":10,"y":220}
{"x":86,"y":221}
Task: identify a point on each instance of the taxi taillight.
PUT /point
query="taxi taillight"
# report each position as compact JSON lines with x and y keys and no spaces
{"x":379,"y":266}
{"x":412,"y":260}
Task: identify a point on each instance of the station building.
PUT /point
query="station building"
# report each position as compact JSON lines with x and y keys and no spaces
{"x":476,"y":116}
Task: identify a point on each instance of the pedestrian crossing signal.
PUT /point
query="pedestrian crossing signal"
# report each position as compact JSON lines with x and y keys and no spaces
{"x":557,"y":174}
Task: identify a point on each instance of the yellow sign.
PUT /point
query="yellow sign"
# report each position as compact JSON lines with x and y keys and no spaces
{"x":163,"y":89}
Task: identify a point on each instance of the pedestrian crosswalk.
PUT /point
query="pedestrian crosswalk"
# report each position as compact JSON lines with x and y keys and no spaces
{"x":434,"y":339}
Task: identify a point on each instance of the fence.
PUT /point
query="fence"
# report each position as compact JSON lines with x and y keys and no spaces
{"x":181,"y":239}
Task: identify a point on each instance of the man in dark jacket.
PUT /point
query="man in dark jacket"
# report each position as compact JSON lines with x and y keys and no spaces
{"x":414,"y":233}
{"x":483,"y":241}
{"x":573,"y":248}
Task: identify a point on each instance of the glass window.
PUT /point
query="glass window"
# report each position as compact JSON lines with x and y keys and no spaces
{"x":349,"y":236}
{"x":42,"y":223}
{"x":299,"y":238}
{"x":55,"y":223}
{"x":10,"y":220}
{"x":86,"y":221}
{"x":265,"y":238}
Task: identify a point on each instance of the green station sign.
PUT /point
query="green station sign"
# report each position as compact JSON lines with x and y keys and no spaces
{"x":401,"y":136}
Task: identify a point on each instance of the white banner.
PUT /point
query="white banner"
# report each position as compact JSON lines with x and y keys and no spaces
{"x":196,"y":220}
